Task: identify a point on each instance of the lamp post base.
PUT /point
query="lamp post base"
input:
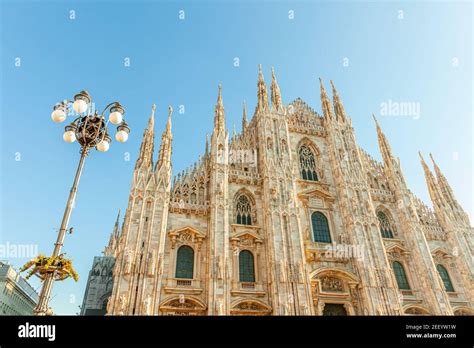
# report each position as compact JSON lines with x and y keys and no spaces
{"x":43,"y":308}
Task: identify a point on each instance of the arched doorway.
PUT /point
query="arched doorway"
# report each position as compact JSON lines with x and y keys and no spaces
{"x":334,"y":309}
{"x":335,"y":292}
{"x":250,"y":307}
{"x":413,"y":310}
{"x":463,"y":311}
{"x":183,"y":306}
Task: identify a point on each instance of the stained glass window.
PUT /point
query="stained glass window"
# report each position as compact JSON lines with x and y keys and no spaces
{"x":185,"y":262}
{"x":320,"y":228}
{"x":385,"y":226}
{"x":307,"y":164}
{"x":401,"y":276}
{"x":243,"y":211}
{"x":443,"y":272}
{"x":246,"y":267}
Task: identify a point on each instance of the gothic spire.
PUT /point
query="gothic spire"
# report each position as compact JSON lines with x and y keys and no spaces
{"x":338,"y":106}
{"x":275,"y":92}
{"x":151,"y":120}
{"x":145,"y":156}
{"x":448,"y":193}
{"x":383,"y":144}
{"x":168,"y":123}
{"x":262,"y":91}
{"x":244,"y":118}
{"x":219,"y":115}
{"x":234,"y":134}
{"x":164,"y":156}
{"x":114,"y":238}
{"x":325,"y":103}
{"x":178,"y":181}
{"x":444,"y":186}
{"x":206,"y":152}
{"x":433,"y":189}
{"x":117,"y":225}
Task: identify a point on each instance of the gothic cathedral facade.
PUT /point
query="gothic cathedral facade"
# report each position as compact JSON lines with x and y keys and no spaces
{"x":289,"y":217}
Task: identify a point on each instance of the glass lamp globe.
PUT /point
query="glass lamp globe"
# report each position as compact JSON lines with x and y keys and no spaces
{"x":115,"y":117}
{"x":121,"y":136}
{"x":79,"y":106}
{"x":69,"y":136}
{"x":58,"y":115}
{"x":103,"y":146}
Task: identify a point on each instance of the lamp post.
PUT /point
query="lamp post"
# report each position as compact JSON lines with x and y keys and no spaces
{"x":90,"y":130}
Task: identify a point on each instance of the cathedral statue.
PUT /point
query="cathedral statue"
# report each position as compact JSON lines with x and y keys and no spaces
{"x":151,"y":264}
{"x":122,"y":304}
{"x":128,"y":262}
{"x":147,"y":305}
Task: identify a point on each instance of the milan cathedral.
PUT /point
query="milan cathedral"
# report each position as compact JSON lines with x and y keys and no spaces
{"x":289,"y":217}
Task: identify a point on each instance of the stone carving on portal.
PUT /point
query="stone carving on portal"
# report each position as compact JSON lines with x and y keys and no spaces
{"x":183,"y":305}
{"x":463,"y":311}
{"x":353,"y":289}
{"x":250,"y":307}
{"x":331,"y":284}
{"x":335,"y":286}
{"x":416,"y":311}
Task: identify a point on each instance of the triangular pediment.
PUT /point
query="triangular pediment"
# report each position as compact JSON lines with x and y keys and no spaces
{"x":317,"y":193}
{"x":397,"y":248}
{"x":440,"y":253}
{"x":316,"y":198}
{"x":246,"y":235}
{"x":187,"y":230}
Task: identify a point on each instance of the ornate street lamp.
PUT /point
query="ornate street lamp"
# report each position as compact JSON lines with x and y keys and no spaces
{"x":90,"y":130}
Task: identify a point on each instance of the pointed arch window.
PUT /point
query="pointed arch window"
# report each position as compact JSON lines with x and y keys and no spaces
{"x":243,"y":210}
{"x":400,"y":276}
{"x":443,"y":272}
{"x":307,"y":163}
{"x":320,"y":228}
{"x":386,"y":228}
{"x":246,"y":267}
{"x":185,"y":262}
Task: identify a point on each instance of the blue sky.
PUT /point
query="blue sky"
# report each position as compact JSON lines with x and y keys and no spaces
{"x":424,"y":57}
